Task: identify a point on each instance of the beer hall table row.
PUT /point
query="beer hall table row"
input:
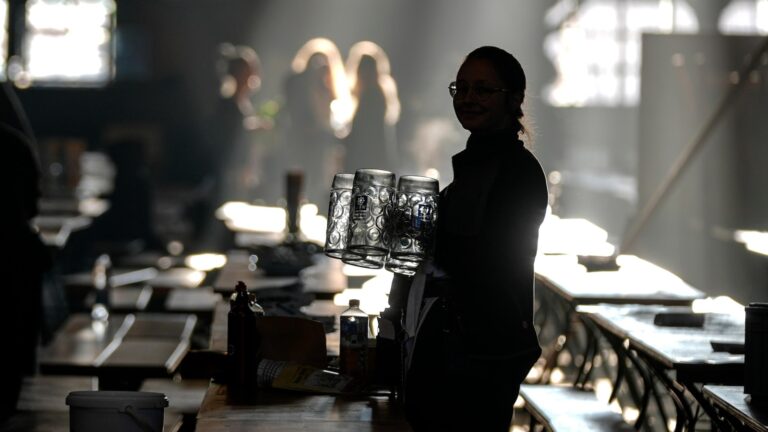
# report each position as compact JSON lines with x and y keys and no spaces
{"x":644,"y":315}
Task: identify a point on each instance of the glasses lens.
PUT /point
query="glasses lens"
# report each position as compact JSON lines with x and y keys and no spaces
{"x":452,"y":89}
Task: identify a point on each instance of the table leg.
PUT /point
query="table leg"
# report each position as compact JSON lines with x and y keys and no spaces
{"x":720,"y":423}
{"x":685,"y":418}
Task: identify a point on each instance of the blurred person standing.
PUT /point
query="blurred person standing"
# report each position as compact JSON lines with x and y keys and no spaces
{"x":477,"y":342}
{"x":235,"y":150}
{"x":311,"y":145}
{"x":371,"y":141}
{"x":25,"y":258}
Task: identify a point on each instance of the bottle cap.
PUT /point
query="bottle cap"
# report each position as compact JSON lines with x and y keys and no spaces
{"x":354,"y":303}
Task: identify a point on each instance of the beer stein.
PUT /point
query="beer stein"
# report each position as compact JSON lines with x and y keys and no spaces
{"x":413,"y":220}
{"x":372,"y":193}
{"x":338,"y":215}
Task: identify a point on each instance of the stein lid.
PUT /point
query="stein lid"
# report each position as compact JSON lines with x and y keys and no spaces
{"x":375,"y":177}
{"x":343,"y":181}
{"x":414,"y":183}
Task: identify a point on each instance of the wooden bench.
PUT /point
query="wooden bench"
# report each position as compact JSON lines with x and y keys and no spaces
{"x":567,"y":408}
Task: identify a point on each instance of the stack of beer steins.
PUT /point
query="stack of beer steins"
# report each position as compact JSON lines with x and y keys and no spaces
{"x":372,"y":224}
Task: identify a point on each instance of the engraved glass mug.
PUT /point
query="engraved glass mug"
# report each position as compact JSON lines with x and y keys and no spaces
{"x":338,"y":215}
{"x":413,"y":221}
{"x":372,"y":192}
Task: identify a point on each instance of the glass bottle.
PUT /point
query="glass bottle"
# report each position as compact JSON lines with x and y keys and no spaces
{"x":242,"y":342}
{"x":354,"y":341}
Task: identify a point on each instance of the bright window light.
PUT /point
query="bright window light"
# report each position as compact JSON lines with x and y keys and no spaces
{"x":205,"y":262}
{"x":573,"y":236}
{"x":68,"y":41}
{"x":595,"y":47}
{"x":744,"y":17}
{"x":755,"y":241}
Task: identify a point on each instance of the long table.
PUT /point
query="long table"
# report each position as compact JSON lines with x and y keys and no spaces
{"x":283,"y":411}
{"x":563,"y":285}
{"x":635,"y":282}
{"x":681,"y":358}
{"x":122,"y":351}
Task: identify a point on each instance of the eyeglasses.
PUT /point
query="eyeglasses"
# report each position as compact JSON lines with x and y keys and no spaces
{"x":482,"y":92}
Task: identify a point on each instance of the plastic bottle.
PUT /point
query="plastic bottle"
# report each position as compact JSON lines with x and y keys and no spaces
{"x":354,"y":341}
{"x":242,"y":343}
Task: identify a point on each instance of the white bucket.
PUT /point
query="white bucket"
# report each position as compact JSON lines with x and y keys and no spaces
{"x":116,"y":411}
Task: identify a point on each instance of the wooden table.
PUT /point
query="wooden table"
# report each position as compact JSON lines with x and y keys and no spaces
{"x":685,"y":350}
{"x":736,"y":409}
{"x":283,"y":411}
{"x":237,"y":269}
{"x":637,"y":282}
{"x":177,"y":277}
{"x":121,"y":352}
{"x":145,"y":289}
{"x":563,"y":284}
{"x":682,"y":358}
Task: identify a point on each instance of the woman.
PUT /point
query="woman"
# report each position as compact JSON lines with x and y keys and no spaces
{"x":477,"y":343}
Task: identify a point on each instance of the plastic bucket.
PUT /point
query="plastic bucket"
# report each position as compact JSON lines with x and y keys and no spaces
{"x":116,"y":411}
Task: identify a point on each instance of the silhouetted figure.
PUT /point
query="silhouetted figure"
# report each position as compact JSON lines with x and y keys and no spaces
{"x":310,"y":145}
{"x":370,"y":143}
{"x":24,"y":259}
{"x":233,"y":153}
{"x":478,"y":342}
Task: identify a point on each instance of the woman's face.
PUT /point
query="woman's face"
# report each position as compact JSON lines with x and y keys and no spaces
{"x":479,"y":104}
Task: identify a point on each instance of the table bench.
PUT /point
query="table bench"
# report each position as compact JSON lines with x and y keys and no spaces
{"x":567,"y":408}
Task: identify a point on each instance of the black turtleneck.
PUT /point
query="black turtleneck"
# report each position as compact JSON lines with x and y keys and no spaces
{"x":487,"y":237}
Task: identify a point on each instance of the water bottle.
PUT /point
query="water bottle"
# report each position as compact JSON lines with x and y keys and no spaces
{"x":354,"y":341}
{"x":242,"y":342}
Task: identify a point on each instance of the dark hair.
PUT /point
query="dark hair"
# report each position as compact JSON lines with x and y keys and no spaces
{"x":510,"y":71}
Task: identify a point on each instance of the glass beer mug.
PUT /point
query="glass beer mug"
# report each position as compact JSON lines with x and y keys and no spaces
{"x":368,"y":239}
{"x":338,"y":215}
{"x":412,"y":223}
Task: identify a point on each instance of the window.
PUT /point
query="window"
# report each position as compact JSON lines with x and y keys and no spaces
{"x":68,"y":41}
{"x":744,"y":17}
{"x":595,"y":47}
